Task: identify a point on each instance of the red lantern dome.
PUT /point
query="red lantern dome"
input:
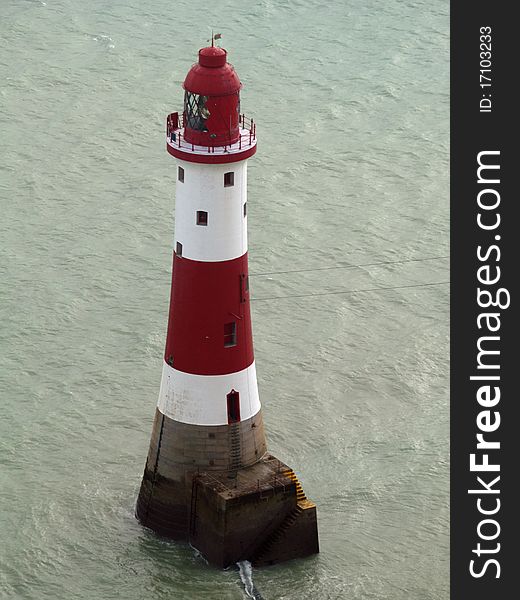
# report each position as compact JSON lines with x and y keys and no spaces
{"x":212,"y":100}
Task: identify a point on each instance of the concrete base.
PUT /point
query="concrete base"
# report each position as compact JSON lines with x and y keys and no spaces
{"x":253,"y":516}
{"x":256,"y":512}
{"x":179,"y":452}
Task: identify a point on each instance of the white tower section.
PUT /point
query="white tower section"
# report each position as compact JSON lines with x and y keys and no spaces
{"x":219,"y":191}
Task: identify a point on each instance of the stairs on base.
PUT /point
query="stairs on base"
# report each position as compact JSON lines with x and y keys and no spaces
{"x":268,"y":548}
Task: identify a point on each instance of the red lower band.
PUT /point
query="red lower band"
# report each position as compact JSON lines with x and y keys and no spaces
{"x":209,"y":328}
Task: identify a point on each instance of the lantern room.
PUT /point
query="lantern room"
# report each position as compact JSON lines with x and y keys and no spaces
{"x":212,"y":100}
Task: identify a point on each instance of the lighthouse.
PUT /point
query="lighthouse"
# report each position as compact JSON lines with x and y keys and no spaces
{"x":209,"y":479}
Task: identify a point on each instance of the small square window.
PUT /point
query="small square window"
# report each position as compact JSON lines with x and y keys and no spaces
{"x":229,"y":179}
{"x":180,"y":175}
{"x":202,"y":217}
{"x":230,"y":335}
{"x":178,"y":249}
{"x":245,"y":209}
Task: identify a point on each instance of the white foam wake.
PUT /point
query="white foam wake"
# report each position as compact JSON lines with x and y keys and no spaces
{"x":246,"y":575}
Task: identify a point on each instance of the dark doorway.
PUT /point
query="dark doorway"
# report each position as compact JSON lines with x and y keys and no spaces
{"x":233,"y":407}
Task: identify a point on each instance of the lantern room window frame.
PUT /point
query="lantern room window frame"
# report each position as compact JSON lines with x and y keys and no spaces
{"x":196,"y":111}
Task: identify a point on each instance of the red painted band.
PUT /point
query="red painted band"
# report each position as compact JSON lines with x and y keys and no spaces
{"x":210,"y":158}
{"x":206,"y":299}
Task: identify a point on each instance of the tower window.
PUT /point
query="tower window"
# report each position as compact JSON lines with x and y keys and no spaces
{"x":230,"y":335}
{"x":202,"y":217}
{"x":178,"y":249}
{"x":229,"y":179}
{"x":180,"y":174}
{"x":245,"y":209}
{"x":233,"y":406}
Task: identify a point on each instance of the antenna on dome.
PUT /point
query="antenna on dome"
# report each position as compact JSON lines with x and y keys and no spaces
{"x":214,"y":38}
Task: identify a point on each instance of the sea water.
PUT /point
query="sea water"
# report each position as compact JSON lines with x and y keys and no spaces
{"x":348,"y":192}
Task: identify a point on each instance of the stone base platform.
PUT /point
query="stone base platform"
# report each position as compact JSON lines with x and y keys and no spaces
{"x":259,"y":513}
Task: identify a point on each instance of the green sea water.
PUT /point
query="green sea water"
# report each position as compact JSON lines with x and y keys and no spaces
{"x":351,"y":104}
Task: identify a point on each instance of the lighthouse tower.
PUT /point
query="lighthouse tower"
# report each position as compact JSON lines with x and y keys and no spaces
{"x":208,"y":478}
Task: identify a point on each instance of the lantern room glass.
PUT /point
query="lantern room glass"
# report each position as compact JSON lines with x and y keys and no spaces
{"x":196,"y":111}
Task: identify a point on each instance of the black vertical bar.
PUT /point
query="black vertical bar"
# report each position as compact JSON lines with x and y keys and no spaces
{"x":483,"y":122}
